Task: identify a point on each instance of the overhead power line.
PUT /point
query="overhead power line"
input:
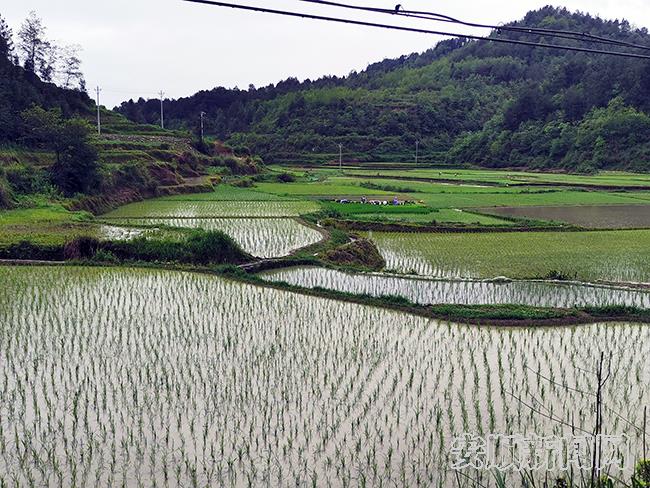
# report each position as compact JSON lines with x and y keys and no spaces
{"x":304,"y":15}
{"x":436,"y":17}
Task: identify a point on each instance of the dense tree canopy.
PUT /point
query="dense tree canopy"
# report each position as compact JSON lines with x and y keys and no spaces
{"x":464,"y":101}
{"x":22,"y":87}
{"x":75,"y":169}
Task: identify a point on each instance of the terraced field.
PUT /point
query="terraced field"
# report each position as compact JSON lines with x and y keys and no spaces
{"x":590,"y":216}
{"x":441,"y":291}
{"x":606,"y":178}
{"x":261,"y":237}
{"x":124,"y":376}
{"x":599,"y":255}
{"x":264,"y":228}
{"x":193,"y":209}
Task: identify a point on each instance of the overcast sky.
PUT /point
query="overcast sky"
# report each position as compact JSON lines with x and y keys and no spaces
{"x":136,"y":48}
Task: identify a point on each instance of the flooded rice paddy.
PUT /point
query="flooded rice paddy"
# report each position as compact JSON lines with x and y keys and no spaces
{"x":212,"y":209}
{"x":439,"y":291}
{"x":621,"y":256}
{"x":590,"y":216}
{"x":127,"y":377}
{"x":264,"y":238}
{"x":262,"y":228}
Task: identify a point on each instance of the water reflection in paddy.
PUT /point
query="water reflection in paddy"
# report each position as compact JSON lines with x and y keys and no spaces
{"x":432,"y":291}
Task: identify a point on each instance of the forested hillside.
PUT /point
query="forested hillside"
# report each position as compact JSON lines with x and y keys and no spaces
{"x":466,"y":102}
{"x":51,"y":154}
{"x":32,"y":83}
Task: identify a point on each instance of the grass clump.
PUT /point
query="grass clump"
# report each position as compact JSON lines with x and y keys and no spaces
{"x":617,"y":311}
{"x":361,"y":252}
{"x":499,"y":312}
{"x":26,"y":250}
{"x":200,"y":247}
{"x":6,"y":197}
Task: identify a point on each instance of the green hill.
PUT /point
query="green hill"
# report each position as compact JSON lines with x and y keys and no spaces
{"x":466,"y":102}
{"x":51,"y":156}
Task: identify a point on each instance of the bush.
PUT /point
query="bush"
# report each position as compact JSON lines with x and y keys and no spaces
{"x":241,"y":166}
{"x":241,"y":151}
{"x":188,"y":159}
{"x":286,"y":178}
{"x":244,"y":183}
{"x":133,"y":175}
{"x":102,"y":256}
{"x":201,"y":247}
{"x":214,"y":247}
{"x":26,"y":180}
{"x":361,"y":252}
{"x":80,"y":248}
{"x":28,"y":250}
{"x":6,"y":198}
{"x":642,"y":474}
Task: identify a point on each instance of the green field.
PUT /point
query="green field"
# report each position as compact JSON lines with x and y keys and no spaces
{"x":598,"y":255}
{"x":226,"y":193}
{"x":606,"y":178}
{"x":328,"y":188}
{"x":41,"y":215}
{"x":566,"y":197}
{"x":441,"y":216}
{"x":161,"y":208}
{"x":441,"y":201}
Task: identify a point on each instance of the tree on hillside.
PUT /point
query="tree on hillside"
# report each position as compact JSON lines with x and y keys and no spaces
{"x":76,"y":169}
{"x":6,"y":41}
{"x":36,"y":51}
{"x":69,"y":68}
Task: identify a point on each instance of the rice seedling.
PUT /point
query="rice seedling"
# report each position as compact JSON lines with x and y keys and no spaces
{"x":466,"y":292}
{"x":171,"y":209}
{"x":264,"y":237}
{"x":622,"y":256}
{"x":159,"y":378}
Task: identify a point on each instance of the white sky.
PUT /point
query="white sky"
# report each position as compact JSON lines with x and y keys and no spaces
{"x":136,"y":48}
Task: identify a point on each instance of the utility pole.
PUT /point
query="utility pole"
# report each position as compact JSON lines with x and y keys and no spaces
{"x":162,"y":114}
{"x":417,"y":147}
{"x":99,"y":120}
{"x":340,"y":157}
{"x":202,"y":115}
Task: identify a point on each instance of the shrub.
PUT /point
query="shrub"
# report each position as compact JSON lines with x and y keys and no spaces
{"x":6,"y":199}
{"x":26,"y":180}
{"x":243,"y":183}
{"x":560,"y":276}
{"x":214,"y":247}
{"x":361,"y":252}
{"x":241,"y":166}
{"x":133,"y":175}
{"x":286,"y":178}
{"x":103,"y":256}
{"x":241,"y":151}
{"x":201,"y":247}
{"x":80,"y":248}
{"x":188,"y":159}
{"x":29,"y":250}
{"x":642,"y":474}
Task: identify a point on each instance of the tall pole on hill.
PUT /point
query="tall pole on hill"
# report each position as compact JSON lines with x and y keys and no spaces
{"x":99,"y":120}
{"x":202,"y":115}
{"x":417,"y":147}
{"x":340,"y":157}
{"x":162,"y":114}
